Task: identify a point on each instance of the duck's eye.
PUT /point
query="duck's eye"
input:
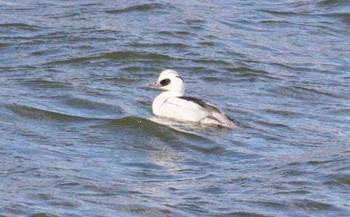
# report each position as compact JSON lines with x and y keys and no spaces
{"x":165,"y":82}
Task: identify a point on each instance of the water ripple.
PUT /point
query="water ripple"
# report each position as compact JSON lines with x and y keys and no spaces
{"x":121,"y":55}
{"x":77,"y":131}
{"x":139,"y":8}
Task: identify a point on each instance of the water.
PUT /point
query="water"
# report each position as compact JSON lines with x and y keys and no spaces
{"x":78,"y":137}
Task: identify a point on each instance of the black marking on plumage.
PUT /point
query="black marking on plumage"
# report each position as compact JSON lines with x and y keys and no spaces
{"x":214,"y":118}
{"x":165,"y":82}
{"x":180,"y":78}
{"x":234,"y":121}
{"x":163,"y":103}
{"x":201,"y":103}
{"x":168,"y":103}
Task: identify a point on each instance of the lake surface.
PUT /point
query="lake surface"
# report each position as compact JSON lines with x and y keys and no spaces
{"x":78,"y":138}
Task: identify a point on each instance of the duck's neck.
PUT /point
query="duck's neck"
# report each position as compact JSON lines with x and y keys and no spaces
{"x":159,"y":100}
{"x":167,"y":94}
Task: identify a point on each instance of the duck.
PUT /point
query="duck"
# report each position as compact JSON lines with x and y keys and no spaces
{"x":173,"y":104}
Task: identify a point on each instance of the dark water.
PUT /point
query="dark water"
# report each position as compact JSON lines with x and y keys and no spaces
{"x":77,"y":135}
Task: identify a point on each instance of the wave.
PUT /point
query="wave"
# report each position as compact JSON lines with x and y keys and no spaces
{"x":335,"y":2}
{"x":160,"y":127}
{"x":3,"y":45}
{"x":116,"y":55}
{"x":38,"y":112}
{"x":138,"y":8}
{"x":155,"y":126}
{"x":160,"y":45}
{"x":21,"y":26}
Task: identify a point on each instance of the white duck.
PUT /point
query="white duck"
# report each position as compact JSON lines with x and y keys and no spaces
{"x":174,"y":105}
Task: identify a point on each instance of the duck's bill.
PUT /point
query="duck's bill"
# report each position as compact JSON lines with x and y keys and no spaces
{"x":153,"y":85}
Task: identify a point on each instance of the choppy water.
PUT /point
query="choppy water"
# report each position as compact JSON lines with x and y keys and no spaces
{"x":77,"y":135}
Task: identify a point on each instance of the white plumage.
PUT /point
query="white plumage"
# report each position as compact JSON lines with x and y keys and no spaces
{"x":173,"y":104}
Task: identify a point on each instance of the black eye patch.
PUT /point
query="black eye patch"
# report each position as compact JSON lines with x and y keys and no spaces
{"x":165,"y":82}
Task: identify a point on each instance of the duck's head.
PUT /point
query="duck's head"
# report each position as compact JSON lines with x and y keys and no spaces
{"x":169,"y":80}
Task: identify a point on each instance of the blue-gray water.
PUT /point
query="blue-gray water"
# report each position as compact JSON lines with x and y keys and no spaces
{"x":77,"y":135}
